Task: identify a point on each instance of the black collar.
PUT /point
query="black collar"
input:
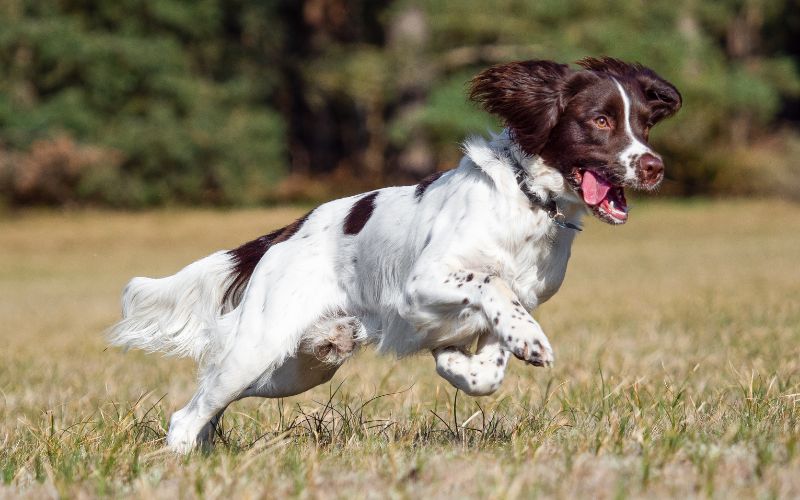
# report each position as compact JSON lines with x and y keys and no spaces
{"x":549,"y":206}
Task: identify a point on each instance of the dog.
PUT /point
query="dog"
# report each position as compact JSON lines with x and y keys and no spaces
{"x":460,"y":259}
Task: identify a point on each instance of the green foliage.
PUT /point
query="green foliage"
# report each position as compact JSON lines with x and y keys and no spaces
{"x":139,"y":78}
{"x":200,"y":102}
{"x":446,"y":116}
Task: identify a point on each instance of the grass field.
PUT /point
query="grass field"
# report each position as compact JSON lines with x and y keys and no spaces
{"x":677,"y":340}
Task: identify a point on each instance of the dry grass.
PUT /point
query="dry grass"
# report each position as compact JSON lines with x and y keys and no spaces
{"x":678,"y":373}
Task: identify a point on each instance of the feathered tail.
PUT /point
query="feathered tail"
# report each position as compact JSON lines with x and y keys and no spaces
{"x":177,"y":315}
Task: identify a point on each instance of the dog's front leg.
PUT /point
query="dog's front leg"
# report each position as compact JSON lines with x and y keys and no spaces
{"x":430,"y":298}
{"x":476,"y":374}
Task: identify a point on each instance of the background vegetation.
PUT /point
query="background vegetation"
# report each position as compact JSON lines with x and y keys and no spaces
{"x":134,"y":103}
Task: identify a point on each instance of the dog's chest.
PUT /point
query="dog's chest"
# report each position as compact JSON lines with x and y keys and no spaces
{"x":539,"y":264}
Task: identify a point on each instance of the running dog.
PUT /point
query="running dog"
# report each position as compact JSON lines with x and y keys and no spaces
{"x":460,"y":259}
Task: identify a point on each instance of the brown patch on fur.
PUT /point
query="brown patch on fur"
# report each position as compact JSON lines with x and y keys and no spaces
{"x":246,"y":257}
{"x":359,"y":214}
{"x":423,"y":185}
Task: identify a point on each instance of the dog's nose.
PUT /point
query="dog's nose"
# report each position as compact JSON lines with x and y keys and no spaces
{"x":651,"y":168}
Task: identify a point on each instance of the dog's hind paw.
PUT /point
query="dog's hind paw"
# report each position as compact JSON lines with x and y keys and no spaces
{"x":180,"y":438}
{"x":334,"y":340}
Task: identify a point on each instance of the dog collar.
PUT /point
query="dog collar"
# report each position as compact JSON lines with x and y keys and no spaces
{"x":550,"y":207}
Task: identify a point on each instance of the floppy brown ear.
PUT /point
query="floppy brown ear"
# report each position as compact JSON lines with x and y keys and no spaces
{"x":663,"y":98}
{"x":527,"y":95}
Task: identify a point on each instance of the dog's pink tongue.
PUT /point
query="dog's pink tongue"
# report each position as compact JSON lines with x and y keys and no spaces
{"x":594,"y":188}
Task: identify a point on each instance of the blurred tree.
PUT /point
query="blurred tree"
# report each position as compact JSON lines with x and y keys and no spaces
{"x":180,"y":90}
{"x":215,"y":101}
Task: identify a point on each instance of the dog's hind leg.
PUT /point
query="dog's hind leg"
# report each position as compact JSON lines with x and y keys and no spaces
{"x":476,"y":374}
{"x":295,"y":375}
{"x":325,"y":347}
{"x":236,"y":377}
{"x":205,"y":438}
{"x":263,"y":356}
{"x":333,"y":339}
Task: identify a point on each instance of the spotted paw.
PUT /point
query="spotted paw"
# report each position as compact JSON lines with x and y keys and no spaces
{"x":533,"y":351}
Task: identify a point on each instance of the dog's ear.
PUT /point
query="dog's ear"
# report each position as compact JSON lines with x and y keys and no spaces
{"x":528,"y":96}
{"x":663,"y":99}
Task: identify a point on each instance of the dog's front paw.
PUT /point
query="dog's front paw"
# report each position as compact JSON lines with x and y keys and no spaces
{"x":534,"y":351}
{"x":523,"y":337}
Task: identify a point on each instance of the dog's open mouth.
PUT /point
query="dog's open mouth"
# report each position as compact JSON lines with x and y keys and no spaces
{"x":606,"y":200}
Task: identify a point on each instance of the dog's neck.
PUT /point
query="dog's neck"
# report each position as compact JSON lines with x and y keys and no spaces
{"x":549,"y":204}
{"x":544,"y":186}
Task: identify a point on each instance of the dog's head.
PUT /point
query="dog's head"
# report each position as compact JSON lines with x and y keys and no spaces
{"x":592,"y":124}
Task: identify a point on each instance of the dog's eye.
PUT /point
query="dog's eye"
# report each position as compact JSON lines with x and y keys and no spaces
{"x":602,"y":122}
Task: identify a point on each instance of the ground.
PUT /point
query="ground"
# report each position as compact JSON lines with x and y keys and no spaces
{"x":677,"y":341}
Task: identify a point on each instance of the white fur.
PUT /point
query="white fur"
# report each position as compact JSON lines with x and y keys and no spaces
{"x":629,"y":157}
{"x":177,"y":314}
{"x":467,"y":261}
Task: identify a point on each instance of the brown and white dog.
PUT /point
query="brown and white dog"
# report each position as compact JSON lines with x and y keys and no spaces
{"x":462,"y":257}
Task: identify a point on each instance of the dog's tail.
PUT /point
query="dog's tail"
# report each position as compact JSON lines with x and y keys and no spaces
{"x":178,"y":315}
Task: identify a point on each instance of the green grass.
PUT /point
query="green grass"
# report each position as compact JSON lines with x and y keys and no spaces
{"x":677,"y":340}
